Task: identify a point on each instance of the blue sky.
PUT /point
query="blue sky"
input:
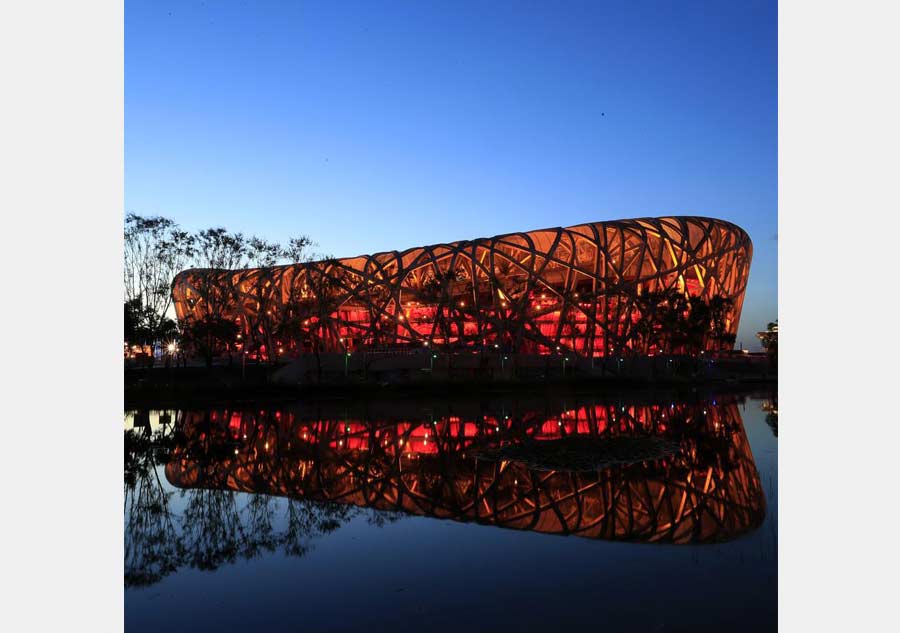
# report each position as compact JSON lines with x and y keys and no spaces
{"x":374,"y":126}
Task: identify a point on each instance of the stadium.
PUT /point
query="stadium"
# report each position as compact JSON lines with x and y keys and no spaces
{"x":669,"y":285}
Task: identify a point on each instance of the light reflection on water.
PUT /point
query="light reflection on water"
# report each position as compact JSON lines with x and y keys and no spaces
{"x":243,"y":505}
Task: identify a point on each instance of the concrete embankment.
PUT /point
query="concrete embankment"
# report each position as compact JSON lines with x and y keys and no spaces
{"x":338,"y":376}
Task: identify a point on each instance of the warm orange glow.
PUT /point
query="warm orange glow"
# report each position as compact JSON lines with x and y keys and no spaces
{"x":584,"y":288}
{"x":690,"y":477}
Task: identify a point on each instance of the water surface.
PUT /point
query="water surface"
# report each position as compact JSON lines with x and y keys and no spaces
{"x":637,"y":512}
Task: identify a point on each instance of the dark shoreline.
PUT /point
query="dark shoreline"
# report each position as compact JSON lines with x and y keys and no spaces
{"x":163,"y":388}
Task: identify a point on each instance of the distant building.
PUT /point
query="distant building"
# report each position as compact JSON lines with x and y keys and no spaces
{"x":769,"y":338}
{"x":592,"y":290}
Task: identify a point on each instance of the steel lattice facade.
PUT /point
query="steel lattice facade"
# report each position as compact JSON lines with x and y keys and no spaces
{"x":705,"y":489}
{"x":593,"y":289}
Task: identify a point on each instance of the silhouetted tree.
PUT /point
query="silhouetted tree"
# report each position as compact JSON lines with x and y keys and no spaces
{"x":721,"y":309}
{"x":216,"y":252}
{"x":208,"y":335}
{"x":319,"y":297}
{"x":769,"y":340}
{"x":265,"y":292}
{"x":156,"y":249}
{"x":697,"y":327}
{"x":651,"y":305}
{"x":135,"y":329}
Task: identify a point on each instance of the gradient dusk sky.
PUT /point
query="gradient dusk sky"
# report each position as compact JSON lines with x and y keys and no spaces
{"x":373,"y":126}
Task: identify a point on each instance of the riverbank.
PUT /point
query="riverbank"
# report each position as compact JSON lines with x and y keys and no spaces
{"x":196,"y":386}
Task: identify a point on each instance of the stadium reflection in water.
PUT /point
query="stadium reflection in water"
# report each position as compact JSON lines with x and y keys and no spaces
{"x":649,"y":473}
{"x":652,"y":472}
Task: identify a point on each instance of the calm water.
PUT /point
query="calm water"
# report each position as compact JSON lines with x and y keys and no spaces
{"x":637,"y":513}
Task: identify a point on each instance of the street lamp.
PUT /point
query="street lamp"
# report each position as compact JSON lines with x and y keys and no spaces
{"x":346,"y":356}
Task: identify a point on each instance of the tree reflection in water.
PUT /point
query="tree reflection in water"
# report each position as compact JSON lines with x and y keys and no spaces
{"x":643,"y":472}
{"x":770,"y":406}
{"x":214,"y":527}
{"x":211,"y":529}
{"x":152,"y":546}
